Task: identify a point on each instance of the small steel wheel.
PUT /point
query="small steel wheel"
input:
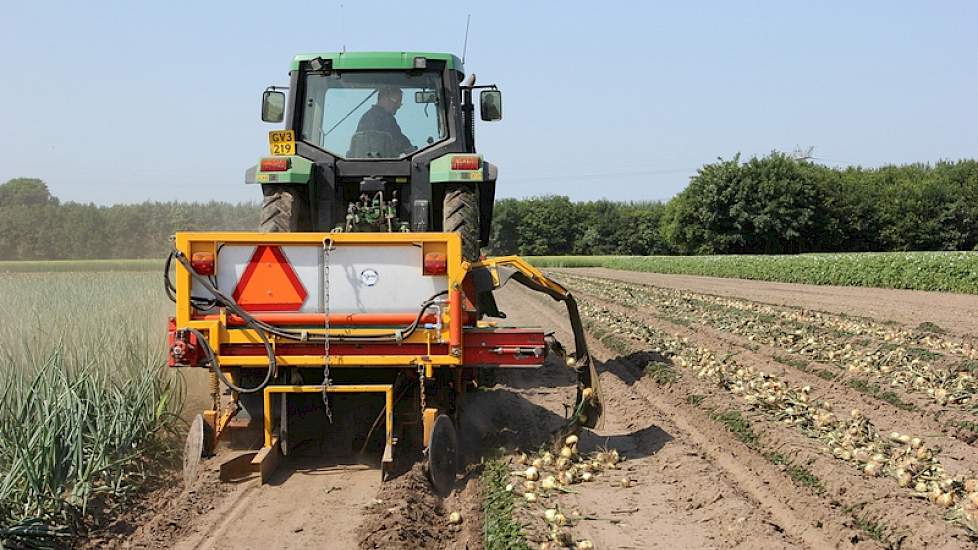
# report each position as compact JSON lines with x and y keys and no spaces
{"x":442,"y":454}
{"x":192,"y":451}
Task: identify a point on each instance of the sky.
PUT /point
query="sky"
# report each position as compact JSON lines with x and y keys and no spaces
{"x":119,"y":102}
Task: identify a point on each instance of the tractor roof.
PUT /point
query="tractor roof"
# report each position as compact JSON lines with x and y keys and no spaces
{"x":377,"y":60}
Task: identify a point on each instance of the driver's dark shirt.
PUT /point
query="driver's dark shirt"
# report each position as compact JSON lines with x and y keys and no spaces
{"x":379,"y":120}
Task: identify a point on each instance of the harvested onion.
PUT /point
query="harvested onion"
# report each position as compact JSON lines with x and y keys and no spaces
{"x":454,"y":518}
{"x":532,"y":473}
{"x":548,"y":483}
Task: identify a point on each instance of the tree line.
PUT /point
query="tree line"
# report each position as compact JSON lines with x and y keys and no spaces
{"x":34,"y":225}
{"x":770,"y":205}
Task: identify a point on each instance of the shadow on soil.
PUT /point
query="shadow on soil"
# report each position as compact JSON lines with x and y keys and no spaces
{"x":633,"y":367}
{"x":502,"y":418}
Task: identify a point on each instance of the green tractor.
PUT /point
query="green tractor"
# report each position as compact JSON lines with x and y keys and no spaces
{"x":378,"y":141}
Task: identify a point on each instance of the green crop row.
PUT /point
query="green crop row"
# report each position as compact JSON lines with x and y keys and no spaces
{"x":88,"y":412}
{"x":936,"y":271}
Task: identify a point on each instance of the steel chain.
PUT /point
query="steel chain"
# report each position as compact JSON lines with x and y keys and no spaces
{"x":327,"y":248}
{"x":421,"y":380}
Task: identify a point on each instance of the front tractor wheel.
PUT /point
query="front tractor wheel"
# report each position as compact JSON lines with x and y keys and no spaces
{"x":460,"y":213}
{"x":284,"y":209}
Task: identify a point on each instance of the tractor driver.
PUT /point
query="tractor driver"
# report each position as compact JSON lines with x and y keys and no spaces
{"x":380,"y":118}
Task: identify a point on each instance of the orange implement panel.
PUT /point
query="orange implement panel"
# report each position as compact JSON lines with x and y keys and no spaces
{"x":269,"y":283}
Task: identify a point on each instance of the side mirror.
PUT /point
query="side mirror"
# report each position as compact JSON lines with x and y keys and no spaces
{"x":272,"y":106}
{"x":425,"y":97}
{"x":491,"y":105}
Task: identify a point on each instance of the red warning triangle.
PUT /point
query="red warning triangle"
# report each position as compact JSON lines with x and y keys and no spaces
{"x":269,"y":283}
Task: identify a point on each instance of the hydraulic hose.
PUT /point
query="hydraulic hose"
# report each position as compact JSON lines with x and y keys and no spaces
{"x":216,"y":366}
{"x":209,"y":352}
{"x":200,"y":303}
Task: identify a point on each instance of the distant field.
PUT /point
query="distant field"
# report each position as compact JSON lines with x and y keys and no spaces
{"x":937,"y":271}
{"x":55,"y":266}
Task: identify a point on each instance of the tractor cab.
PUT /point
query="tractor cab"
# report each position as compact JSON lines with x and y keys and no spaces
{"x":378,"y":141}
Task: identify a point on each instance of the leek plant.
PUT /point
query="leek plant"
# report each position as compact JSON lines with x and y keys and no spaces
{"x":87,"y":410}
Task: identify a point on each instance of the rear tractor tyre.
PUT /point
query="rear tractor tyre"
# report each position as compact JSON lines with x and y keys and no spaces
{"x":460,"y":213}
{"x":284,"y":209}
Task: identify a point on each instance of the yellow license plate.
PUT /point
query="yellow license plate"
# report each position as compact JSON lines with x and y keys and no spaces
{"x":281,"y":142}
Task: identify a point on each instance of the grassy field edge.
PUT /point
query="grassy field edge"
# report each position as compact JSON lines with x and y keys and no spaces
{"x":932,"y":271}
{"x":58,"y":266}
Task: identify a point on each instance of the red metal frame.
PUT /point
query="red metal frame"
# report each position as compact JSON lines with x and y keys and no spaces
{"x":483,"y":347}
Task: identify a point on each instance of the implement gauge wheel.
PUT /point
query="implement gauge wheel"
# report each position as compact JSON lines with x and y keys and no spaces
{"x":443,"y":455}
{"x":460,"y":213}
{"x":284,"y":209}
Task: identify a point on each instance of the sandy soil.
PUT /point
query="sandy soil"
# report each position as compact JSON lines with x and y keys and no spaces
{"x":695,"y":484}
{"x":954,"y":312}
{"x":872,"y":511}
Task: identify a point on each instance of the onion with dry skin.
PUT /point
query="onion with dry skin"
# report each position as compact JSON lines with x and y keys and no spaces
{"x":454,"y":518}
{"x":548,"y":483}
{"x":532,"y":473}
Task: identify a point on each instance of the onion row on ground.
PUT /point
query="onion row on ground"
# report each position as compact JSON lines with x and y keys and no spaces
{"x":912,"y":371}
{"x":852,"y":437}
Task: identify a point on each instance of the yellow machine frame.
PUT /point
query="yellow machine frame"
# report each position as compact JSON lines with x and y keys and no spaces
{"x":218,"y":333}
